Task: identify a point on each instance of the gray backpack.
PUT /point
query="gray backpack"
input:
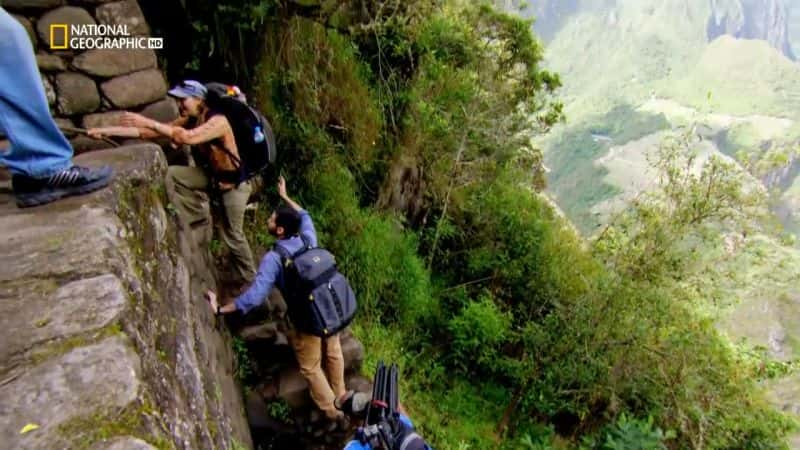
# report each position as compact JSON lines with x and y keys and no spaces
{"x":319,"y":298}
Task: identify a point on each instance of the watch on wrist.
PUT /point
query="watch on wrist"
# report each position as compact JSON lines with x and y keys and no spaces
{"x":218,"y":310}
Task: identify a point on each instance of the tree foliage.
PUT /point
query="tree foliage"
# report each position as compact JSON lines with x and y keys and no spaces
{"x":407,"y":129}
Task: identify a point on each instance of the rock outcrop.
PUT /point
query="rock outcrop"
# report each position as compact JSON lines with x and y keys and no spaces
{"x":767,"y":20}
{"x":86,"y":82}
{"x":107,"y":340}
{"x":109,"y":343}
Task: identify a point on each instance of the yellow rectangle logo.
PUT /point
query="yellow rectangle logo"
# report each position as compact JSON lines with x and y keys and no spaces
{"x":59,"y":45}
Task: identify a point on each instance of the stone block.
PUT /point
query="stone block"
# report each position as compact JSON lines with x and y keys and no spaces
{"x":43,"y":316}
{"x":82,"y":144}
{"x":135,"y":89}
{"x":103,"y":119}
{"x":126,"y":443}
{"x":70,"y":15}
{"x":263,"y":331}
{"x":112,"y":62}
{"x":64,"y":122}
{"x":77,"y":94}
{"x":50,"y":63}
{"x":28,"y":5}
{"x":77,"y":384}
{"x":125,"y":12}
{"x":165,"y":110}
{"x":293,"y":388}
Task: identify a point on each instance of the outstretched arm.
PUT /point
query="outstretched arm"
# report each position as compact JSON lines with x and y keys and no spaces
{"x":101,"y":132}
{"x":285,"y":196}
{"x":307,"y":229}
{"x":258,"y":291}
{"x":215,"y":128}
{"x":130,"y":131}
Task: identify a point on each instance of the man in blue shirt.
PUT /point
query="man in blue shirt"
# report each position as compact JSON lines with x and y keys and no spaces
{"x":292,"y":225}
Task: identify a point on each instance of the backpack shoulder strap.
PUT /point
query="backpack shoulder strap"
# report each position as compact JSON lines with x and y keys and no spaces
{"x":286,"y":255}
{"x":306,"y":246}
{"x":283,"y":253}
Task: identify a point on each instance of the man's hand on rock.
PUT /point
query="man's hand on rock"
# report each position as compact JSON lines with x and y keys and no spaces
{"x":212,"y":301}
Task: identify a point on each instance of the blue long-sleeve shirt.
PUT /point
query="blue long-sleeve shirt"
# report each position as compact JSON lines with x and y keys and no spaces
{"x":270,"y":270}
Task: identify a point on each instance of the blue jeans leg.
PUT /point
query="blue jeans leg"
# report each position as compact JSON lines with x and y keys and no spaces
{"x":38,"y":148}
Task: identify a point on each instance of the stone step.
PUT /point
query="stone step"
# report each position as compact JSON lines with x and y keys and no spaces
{"x":74,"y":385}
{"x":30,"y":316}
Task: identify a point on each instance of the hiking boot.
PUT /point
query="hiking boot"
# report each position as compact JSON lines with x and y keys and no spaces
{"x":352,"y":403}
{"x":75,"y":180}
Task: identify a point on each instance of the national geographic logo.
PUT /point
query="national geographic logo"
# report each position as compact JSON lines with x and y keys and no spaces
{"x":89,"y":37}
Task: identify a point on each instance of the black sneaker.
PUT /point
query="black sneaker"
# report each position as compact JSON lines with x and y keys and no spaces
{"x":76,"y":180}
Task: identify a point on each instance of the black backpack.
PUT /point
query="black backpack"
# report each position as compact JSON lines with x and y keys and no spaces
{"x":318,"y":298}
{"x":251,"y":130}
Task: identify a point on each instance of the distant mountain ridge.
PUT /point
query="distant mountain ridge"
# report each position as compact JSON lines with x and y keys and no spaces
{"x":767,"y":20}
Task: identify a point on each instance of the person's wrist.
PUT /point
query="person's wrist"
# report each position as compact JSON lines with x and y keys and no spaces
{"x":219,"y":311}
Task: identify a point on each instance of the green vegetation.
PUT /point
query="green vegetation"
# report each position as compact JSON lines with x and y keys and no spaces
{"x":408,"y":135}
{"x":718,"y":77}
{"x":279,"y":410}
{"x":62,"y":346}
{"x":136,"y":421}
{"x":576,"y":181}
{"x":244,"y":366}
{"x":655,"y":57}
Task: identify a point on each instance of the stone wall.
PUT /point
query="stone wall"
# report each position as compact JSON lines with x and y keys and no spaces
{"x":88,"y":88}
{"x":107,"y":341}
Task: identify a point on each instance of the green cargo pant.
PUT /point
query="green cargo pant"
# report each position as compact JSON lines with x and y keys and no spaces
{"x":188,"y":188}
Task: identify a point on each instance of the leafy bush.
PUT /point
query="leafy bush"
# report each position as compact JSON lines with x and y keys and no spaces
{"x":477,"y":332}
{"x":633,"y":434}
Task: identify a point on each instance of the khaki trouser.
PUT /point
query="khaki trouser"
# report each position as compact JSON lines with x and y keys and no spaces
{"x":309,"y":350}
{"x":188,"y":188}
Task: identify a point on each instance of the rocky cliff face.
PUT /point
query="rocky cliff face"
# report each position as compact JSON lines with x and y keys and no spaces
{"x":767,"y":20}
{"x":107,"y":340}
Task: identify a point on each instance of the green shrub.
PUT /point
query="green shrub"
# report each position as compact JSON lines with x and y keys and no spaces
{"x":478,"y":331}
{"x":633,"y":434}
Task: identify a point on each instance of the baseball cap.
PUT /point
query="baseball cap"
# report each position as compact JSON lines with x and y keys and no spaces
{"x":188,"y":88}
